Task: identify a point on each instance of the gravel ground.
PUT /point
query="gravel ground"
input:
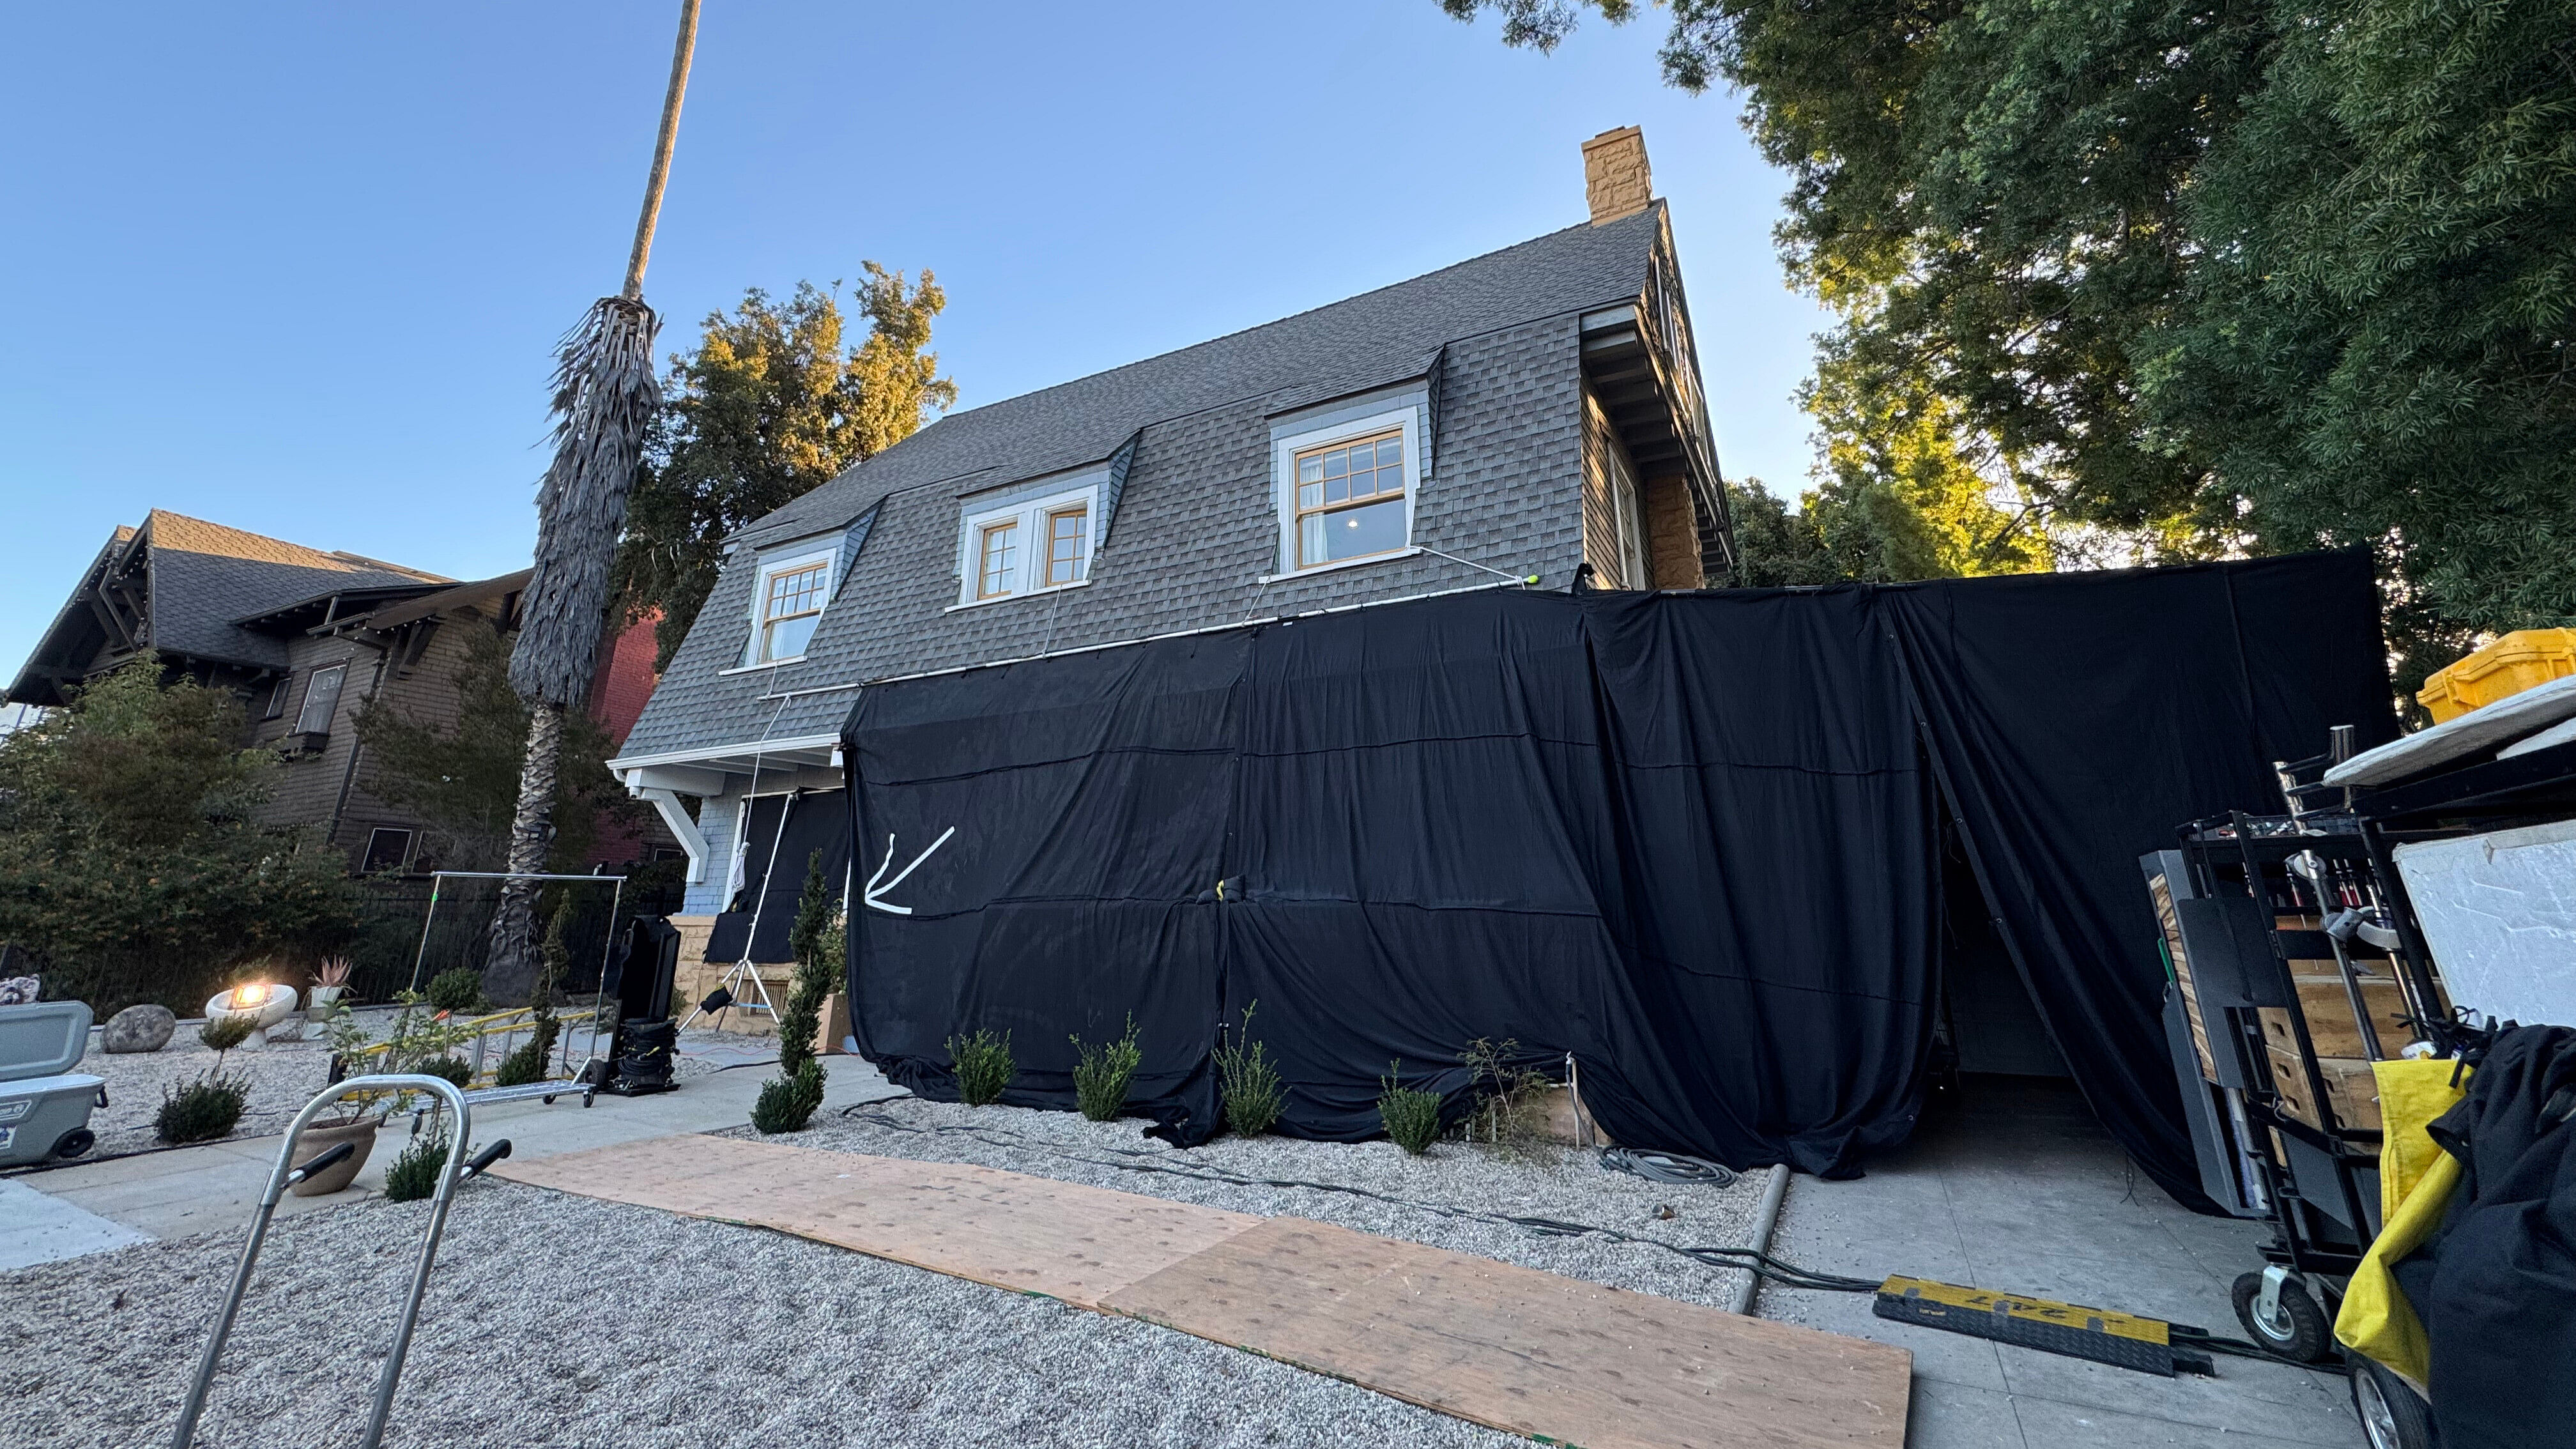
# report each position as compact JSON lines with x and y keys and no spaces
{"x":557,"y":1320}
{"x":284,"y":1076}
{"x":1563,"y":1184}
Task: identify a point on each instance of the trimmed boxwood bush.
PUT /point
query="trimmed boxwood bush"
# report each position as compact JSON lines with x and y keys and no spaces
{"x":1412,"y":1117}
{"x":983,"y":1066}
{"x":201,"y":1111}
{"x":1102,"y":1072}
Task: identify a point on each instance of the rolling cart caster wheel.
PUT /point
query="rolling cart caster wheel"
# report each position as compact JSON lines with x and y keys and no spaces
{"x":2293,"y":1326}
{"x":75,"y":1142}
{"x":2391,"y":1414}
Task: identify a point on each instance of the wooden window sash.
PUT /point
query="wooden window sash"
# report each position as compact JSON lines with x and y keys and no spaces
{"x":1324,"y":506}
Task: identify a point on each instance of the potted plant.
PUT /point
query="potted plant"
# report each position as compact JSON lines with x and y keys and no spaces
{"x":330,"y":983}
{"x":354,"y":1122}
{"x":356,"y":1128}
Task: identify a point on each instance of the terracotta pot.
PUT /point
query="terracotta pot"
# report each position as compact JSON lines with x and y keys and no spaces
{"x":323,"y":1135}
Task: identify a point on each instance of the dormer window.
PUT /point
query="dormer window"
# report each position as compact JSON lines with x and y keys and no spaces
{"x":1029,"y":545}
{"x":1346,"y":489}
{"x":1068,"y":544}
{"x":787,"y":604}
{"x":997,"y":567}
{"x":1350,"y":500}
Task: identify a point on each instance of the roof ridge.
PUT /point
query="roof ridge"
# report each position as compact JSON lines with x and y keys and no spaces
{"x":1223,"y":337}
{"x":225,"y":540}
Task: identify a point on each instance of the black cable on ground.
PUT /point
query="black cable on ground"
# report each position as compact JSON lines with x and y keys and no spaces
{"x":1747,"y":1260}
{"x":1673,"y":1167}
{"x":2187,"y":1337}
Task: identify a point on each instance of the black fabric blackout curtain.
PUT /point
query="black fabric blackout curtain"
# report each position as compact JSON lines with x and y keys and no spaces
{"x":780,"y":843}
{"x":1691,"y":840}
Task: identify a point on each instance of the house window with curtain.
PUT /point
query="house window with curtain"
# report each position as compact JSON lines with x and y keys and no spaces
{"x":321,"y":700}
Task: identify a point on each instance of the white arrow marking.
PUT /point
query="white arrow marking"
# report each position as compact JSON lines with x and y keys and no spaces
{"x":873,"y":891}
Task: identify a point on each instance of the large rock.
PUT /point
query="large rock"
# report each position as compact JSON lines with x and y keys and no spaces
{"x":138,"y":1029}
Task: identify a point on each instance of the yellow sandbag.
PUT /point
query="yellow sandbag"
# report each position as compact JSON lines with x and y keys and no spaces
{"x":2416,"y":1179}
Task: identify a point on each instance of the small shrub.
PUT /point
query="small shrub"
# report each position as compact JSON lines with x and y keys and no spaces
{"x":455,"y":1069}
{"x":226,"y":1032}
{"x":1511,"y":1102}
{"x":458,"y":989}
{"x":1412,"y":1117}
{"x":1101,"y":1075}
{"x":1249,"y":1082}
{"x":787,"y":1103}
{"x":526,"y":1062}
{"x":983,"y":1066}
{"x":201,"y":1111}
{"x":415,"y":1171}
{"x":789,"y":1099}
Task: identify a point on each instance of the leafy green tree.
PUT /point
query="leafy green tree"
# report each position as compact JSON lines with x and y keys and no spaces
{"x":132,"y":864}
{"x":2219,"y":275}
{"x":2378,"y":348}
{"x":461,"y":777}
{"x":771,"y":406}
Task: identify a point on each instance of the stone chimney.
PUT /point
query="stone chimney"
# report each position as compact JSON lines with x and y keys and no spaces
{"x":1614,"y":174}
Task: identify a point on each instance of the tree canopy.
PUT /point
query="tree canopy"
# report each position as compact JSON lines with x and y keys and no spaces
{"x":132,"y":864}
{"x":771,"y":405}
{"x":2211,"y":276}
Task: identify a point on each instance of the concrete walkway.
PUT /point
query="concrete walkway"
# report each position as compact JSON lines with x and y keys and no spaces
{"x":2018,"y":1188}
{"x":93,"y":1207}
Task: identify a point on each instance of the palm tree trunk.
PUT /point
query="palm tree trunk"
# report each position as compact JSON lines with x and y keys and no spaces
{"x":512,"y":972}
{"x":605,"y":394}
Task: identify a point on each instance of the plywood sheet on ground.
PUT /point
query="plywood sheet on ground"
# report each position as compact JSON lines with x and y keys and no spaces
{"x":1518,"y":1349}
{"x":1032,"y":1234}
{"x":1526,"y":1351}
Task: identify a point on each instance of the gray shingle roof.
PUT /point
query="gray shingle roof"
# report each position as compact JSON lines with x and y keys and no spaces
{"x":1376,"y":337}
{"x":1195,"y":529}
{"x":205,"y":576}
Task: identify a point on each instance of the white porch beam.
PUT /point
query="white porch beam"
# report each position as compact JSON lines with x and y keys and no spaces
{"x":675,"y":818}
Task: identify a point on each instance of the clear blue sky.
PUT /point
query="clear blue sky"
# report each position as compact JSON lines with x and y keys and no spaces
{"x":298,"y":268}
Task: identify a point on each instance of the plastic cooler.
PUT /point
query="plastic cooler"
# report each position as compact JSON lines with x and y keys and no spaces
{"x":44,"y":1104}
{"x":2523,"y":659}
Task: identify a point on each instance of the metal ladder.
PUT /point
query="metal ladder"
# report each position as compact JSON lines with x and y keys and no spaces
{"x":285,"y":1175}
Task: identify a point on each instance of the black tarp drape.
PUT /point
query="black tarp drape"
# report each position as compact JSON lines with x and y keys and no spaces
{"x":1691,"y":839}
{"x":2076,"y":720}
{"x":790,"y":829}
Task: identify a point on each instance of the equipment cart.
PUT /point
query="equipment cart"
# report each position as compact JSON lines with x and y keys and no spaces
{"x":2296,"y":959}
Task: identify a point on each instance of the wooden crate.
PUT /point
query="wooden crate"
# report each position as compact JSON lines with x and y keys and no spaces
{"x":2330,"y":1023}
{"x":2351,"y":1091}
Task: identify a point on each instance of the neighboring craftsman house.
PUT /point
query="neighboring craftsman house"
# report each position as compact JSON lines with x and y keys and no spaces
{"x":1524,"y":416}
{"x":303,"y":638}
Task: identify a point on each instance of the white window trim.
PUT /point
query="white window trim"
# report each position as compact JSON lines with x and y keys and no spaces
{"x":1283,"y":478}
{"x":769,"y":568}
{"x":1030,"y":515}
{"x":1363,"y":561}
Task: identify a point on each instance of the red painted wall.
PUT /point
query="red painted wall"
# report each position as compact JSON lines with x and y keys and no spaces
{"x":619,"y":686}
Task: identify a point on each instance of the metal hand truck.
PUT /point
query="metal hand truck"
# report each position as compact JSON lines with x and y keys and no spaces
{"x":285,"y":1175}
